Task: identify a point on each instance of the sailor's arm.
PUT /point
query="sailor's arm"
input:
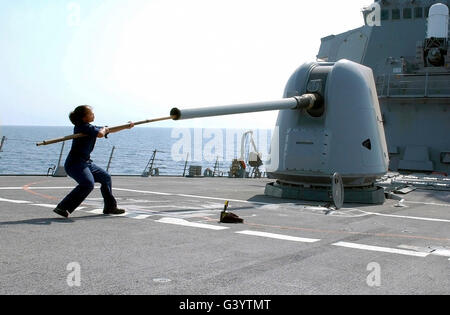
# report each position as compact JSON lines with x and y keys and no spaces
{"x":105,"y":130}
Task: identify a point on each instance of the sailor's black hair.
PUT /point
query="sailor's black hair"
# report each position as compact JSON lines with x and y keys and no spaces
{"x":76,"y":117}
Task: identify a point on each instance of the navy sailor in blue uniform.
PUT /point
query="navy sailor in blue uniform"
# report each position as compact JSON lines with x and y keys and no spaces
{"x":80,"y":167}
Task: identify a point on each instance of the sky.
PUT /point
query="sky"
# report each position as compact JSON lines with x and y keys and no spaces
{"x":136,"y":59}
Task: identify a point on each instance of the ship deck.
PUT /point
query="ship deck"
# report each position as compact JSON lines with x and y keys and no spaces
{"x":170,"y":241}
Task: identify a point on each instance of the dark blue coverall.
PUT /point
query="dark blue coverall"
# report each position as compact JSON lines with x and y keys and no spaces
{"x":79,"y":166}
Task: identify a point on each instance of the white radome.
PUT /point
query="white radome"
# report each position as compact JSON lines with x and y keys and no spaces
{"x":438,"y":21}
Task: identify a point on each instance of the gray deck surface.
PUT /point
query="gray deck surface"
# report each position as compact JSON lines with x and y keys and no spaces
{"x":158,"y":247}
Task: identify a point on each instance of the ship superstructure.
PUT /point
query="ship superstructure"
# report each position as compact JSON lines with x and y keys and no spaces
{"x":406,"y":44}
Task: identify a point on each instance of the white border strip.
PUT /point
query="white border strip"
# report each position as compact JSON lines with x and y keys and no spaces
{"x":279,"y":236}
{"x":381,"y":249}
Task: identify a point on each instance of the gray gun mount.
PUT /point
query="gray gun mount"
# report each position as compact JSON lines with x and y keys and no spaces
{"x":329,"y":122}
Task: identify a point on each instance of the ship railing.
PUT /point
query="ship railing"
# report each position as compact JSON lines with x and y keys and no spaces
{"x":158,"y":165}
{"x":432,"y":85}
{"x":119,"y":161}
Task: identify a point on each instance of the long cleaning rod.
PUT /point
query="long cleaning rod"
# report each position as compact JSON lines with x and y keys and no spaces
{"x":111,"y":129}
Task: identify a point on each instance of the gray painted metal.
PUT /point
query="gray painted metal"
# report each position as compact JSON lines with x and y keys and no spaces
{"x":309,"y":150}
{"x":337,"y":186}
{"x":1,"y":143}
{"x":288,"y":103}
{"x":60,"y":171}
{"x":336,"y":126}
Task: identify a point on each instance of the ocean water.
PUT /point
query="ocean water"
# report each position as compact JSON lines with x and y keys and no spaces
{"x":133,"y":149}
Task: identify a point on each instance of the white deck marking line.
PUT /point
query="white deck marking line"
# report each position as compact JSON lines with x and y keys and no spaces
{"x":42,"y":188}
{"x":279,"y":236}
{"x":137,"y":216}
{"x":143,"y":191}
{"x":194,"y":196}
{"x":96,"y":211}
{"x":100,"y":211}
{"x":153,"y":206}
{"x":441,"y":252}
{"x":436,"y":252}
{"x":182,"y":222}
{"x":45,"y":205}
{"x":381,"y":249}
{"x":407,"y":217}
{"x":135,"y":207}
{"x":264,"y":203}
{"x":428,"y":203}
{"x":14,"y":201}
{"x":52,"y":188}
{"x":224,"y":199}
{"x":190,"y":196}
{"x":259,"y":203}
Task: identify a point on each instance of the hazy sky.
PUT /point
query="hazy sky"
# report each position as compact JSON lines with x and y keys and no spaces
{"x":136,"y":59}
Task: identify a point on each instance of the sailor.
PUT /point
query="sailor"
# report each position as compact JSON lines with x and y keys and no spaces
{"x":80,"y":167}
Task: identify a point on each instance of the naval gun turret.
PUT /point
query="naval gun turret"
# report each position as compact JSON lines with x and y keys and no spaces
{"x":329,"y":123}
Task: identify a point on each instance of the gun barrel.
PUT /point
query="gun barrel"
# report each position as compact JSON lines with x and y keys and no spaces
{"x":296,"y":102}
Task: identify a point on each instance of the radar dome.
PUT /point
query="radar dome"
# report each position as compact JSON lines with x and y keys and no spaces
{"x":438,"y":21}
